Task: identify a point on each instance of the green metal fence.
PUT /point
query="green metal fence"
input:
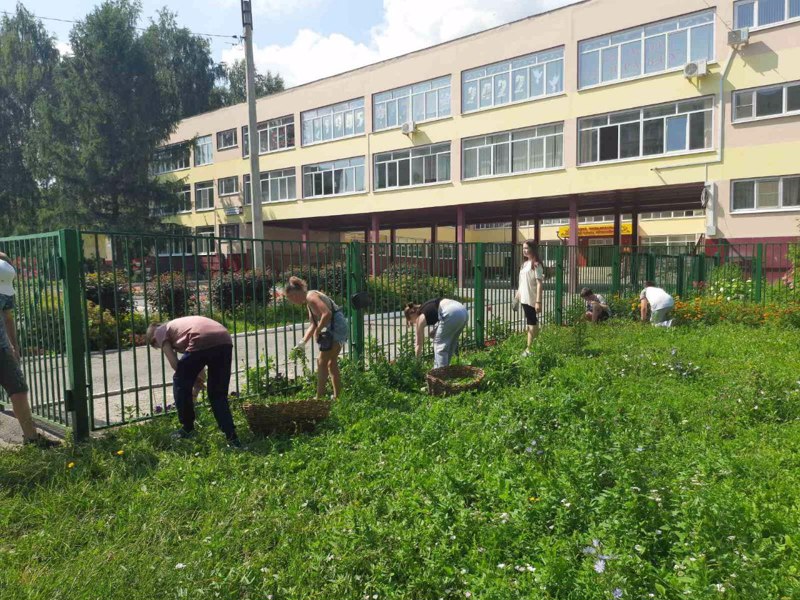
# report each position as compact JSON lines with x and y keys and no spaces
{"x":84,"y":301}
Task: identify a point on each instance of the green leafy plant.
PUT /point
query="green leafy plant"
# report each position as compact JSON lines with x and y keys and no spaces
{"x":111,"y":290}
{"x":170,"y":297}
{"x":234,"y":289}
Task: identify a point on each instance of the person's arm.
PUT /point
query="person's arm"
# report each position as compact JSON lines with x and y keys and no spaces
{"x":11,"y":330}
{"x":172,"y":356}
{"x":419,"y":331}
{"x":312,"y":329}
{"x":643,"y":309}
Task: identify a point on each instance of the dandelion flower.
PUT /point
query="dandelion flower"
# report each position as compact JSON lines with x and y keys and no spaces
{"x":70,"y":465}
{"x":120,"y":452}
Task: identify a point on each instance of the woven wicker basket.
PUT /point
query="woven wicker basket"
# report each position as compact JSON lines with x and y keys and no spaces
{"x":441,"y":381}
{"x":286,"y":417}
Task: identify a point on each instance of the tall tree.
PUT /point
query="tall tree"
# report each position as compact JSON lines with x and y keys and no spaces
{"x":101,"y":124}
{"x":28,"y":58}
{"x":233,"y":88}
{"x":184,"y":66}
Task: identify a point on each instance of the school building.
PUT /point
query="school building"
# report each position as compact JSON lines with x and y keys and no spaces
{"x":628,"y":121}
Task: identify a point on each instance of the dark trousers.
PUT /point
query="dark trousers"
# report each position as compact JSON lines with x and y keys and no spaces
{"x":218,"y":361}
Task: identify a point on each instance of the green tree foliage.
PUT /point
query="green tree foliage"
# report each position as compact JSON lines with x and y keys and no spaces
{"x":233,"y":84}
{"x":28,"y":59}
{"x":100,"y":125}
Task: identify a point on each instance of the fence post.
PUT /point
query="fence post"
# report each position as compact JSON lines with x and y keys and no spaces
{"x":758,"y":272}
{"x":480,"y":294}
{"x":559,"y":291}
{"x":680,"y":288}
{"x":355,"y":277}
{"x":77,"y":398}
{"x":616,"y":271}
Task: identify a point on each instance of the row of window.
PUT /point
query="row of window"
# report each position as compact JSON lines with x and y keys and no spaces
{"x":649,"y":216}
{"x":762,"y":13}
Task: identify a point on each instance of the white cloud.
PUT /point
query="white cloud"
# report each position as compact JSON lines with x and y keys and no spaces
{"x":407,"y":25}
{"x":64,"y":49}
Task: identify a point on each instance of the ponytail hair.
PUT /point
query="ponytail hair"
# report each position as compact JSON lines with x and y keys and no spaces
{"x":296,"y":285}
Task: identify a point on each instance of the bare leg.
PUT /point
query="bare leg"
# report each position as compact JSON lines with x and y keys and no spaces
{"x":533,"y":333}
{"x":22,"y":411}
{"x":322,"y":376}
{"x":597,"y":312}
{"x":329,"y":366}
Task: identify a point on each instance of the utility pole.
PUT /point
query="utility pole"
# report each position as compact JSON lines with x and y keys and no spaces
{"x":252,"y":133}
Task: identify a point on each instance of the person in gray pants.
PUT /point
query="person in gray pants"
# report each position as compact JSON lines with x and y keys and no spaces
{"x":446,"y":318}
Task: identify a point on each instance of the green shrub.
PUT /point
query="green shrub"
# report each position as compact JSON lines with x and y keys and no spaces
{"x":391,"y":293}
{"x":231,"y":290}
{"x":330,"y":278}
{"x":110,"y":290}
{"x":727,"y":282}
{"x":169,"y":297}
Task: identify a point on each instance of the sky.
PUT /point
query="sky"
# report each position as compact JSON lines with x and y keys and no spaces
{"x":305,"y":40}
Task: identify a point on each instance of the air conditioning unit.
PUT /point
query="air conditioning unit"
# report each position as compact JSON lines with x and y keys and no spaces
{"x":409,"y":127}
{"x":698,"y":68}
{"x":738,"y":37}
{"x":232,"y":211}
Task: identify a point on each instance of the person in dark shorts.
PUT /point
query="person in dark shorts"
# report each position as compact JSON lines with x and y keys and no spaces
{"x":203,"y":343}
{"x":12,"y":379}
{"x":597,"y":308}
{"x":529,"y":291}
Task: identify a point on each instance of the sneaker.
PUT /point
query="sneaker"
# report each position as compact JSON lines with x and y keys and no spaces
{"x":236,"y":444}
{"x":42,"y":442}
{"x":526,"y":354}
{"x":182,"y":434}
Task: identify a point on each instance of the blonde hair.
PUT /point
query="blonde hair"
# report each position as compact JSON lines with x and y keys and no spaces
{"x":150,"y":335}
{"x":296,"y":285}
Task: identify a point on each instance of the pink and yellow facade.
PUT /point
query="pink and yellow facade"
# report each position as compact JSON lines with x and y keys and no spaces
{"x":607,"y":120}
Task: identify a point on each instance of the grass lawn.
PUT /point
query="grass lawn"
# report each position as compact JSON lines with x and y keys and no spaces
{"x":639,"y":463}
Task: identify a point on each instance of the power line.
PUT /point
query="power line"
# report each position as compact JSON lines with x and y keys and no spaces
{"x":218,"y":35}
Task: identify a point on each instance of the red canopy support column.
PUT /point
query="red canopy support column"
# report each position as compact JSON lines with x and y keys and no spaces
{"x":537,"y":231}
{"x":635,"y":229}
{"x":461,"y":225}
{"x":375,"y":238}
{"x":572,"y":251}
{"x":514,"y":243}
{"x":617,"y":227}
{"x":392,"y":243}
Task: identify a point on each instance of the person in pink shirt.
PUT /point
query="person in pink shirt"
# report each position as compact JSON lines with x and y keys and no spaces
{"x":202,"y":343}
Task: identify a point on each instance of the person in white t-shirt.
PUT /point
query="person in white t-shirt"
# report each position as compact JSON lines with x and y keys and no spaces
{"x":529,"y":290}
{"x":659,"y":303}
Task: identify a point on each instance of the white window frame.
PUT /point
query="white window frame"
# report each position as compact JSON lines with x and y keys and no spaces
{"x":757,"y":181}
{"x":234,"y":228}
{"x":345,"y":165}
{"x":410,"y":155}
{"x":233,"y":144}
{"x":204,"y":189}
{"x":756,"y":26}
{"x":710,"y":108}
{"x":176,"y":157}
{"x":232,"y":192}
{"x":670,"y":240}
{"x":284,"y":179}
{"x":185,"y":206}
{"x":668,"y":215}
{"x":540,"y":133}
{"x":206,"y":142}
{"x":316,"y":118}
{"x":522,"y":65}
{"x":204,"y":236}
{"x":625,"y":37}
{"x":753,"y":93}
{"x":422,"y":90}
{"x":273,"y":131}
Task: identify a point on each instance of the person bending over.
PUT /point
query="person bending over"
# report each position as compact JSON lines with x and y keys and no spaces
{"x":203,"y":343}
{"x":446,"y":317}
{"x":596,"y":306}
{"x":659,"y":303}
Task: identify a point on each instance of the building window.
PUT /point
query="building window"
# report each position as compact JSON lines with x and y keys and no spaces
{"x":672,"y":214}
{"x":417,"y":166}
{"x":514,"y":152}
{"x":671,"y":241}
{"x":646,"y":50}
{"x":245,"y":142}
{"x":228,"y":186}
{"x":762,"y":13}
{"x":205,"y":242}
{"x":674,"y":128}
{"x":204,"y":195}
{"x":276,"y":134}
{"x":767,"y":194}
{"x":426,"y":101}
{"x":333,"y":122}
{"x":203,"y":151}
{"x":172,"y":158}
{"x":771,"y":101}
{"x":185,"y":199}
{"x":276,"y":186}
{"x":334,"y":178}
{"x":226,"y":139}
{"x":230,"y":231}
{"x":525,"y":78}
